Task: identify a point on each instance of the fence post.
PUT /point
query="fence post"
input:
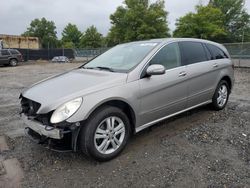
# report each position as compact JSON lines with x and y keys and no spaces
{"x":28,"y":53}
{"x":48,"y":51}
{"x":242,"y":42}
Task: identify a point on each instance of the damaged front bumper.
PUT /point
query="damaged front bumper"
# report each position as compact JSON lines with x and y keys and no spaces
{"x":47,"y":131}
{"x":62,"y":139}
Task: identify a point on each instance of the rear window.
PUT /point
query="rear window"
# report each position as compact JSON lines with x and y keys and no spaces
{"x":5,"y":52}
{"x":14,"y":52}
{"x":216,"y":52}
{"x":192,"y":52}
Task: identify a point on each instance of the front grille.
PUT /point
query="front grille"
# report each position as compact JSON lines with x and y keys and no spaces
{"x":29,"y":107}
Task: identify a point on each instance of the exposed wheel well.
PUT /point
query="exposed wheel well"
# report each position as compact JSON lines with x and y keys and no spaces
{"x":228,"y":80}
{"x":125,"y":107}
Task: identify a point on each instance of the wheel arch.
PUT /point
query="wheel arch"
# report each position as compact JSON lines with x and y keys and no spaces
{"x":228,"y":80}
{"x":121,"y":104}
{"x":13,"y":58}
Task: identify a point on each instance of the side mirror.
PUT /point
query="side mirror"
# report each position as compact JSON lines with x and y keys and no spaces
{"x":156,"y":69}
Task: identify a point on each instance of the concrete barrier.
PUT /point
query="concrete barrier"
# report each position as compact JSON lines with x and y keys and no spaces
{"x":244,"y":63}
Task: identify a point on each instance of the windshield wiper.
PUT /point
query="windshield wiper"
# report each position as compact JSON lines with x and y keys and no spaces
{"x":88,"y":67}
{"x":106,"y":68}
{"x":100,"y":68}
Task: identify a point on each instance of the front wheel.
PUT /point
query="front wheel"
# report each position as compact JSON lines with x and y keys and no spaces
{"x":105,"y":133}
{"x":221,"y":95}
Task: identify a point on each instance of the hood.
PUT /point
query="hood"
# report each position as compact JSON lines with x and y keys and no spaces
{"x":57,"y":90}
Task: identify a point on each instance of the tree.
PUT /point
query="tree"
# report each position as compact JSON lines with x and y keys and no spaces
{"x":236,"y":20}
{"x":205,"y":23}
{"x":68,"y":45}
{"x":71,"y":36}
{"x":138,"y":20}
{"x":91,"y":38}
{"x":44,"y":30}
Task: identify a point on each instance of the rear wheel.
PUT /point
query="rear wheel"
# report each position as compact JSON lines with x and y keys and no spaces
{"x":13,"y":62}
{"x":105,"y":134}
{"x":221,"y":95}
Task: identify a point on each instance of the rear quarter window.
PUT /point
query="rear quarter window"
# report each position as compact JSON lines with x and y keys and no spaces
{"x":216,"y":52}
{"x":192,"y":52}
{"x":15,"y":52}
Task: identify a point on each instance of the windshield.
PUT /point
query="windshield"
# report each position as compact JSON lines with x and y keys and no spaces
{"x":122,"y":58}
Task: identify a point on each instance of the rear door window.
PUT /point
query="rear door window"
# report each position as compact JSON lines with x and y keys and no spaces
{"x":192,"y":52}
{"x":168,"y":56}
{"x":216,"y":52}
{"x":5,"y":52}
{"x":209,"y":54}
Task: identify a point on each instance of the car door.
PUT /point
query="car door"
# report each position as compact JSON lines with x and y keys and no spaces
{"x":201,"y":72}
{"x":1,"y":58}
{"x":5,"y":54}
{"x":162,"y":95}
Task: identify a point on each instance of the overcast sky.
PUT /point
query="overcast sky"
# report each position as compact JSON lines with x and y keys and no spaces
{"x":16,"y":15}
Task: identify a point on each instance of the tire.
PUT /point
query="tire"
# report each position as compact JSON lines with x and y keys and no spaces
{"x":13,"y":62}
{"x":221,"y":91}
{"x":100,"y":141}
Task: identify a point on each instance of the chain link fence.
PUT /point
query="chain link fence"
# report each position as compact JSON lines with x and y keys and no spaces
{"x":87,"y":54}
{"x":48,"y":54}
{"x":240,"y":53}
{"x":45,"y":54}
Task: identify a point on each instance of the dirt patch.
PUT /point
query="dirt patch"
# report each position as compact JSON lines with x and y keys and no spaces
{"x":200,"y":148}
{"x":12,"y":173}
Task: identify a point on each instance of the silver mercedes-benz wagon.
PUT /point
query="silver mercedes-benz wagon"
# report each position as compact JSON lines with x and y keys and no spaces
{"x":96,"y":108}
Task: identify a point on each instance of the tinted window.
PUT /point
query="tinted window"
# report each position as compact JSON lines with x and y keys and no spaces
{"x":5,"y":52}
{"x":192,"y":52}
{"x":168,"y":56}
{"x":209,"y":54}
{"x":14,"y":51}
{"x":216,"y":52}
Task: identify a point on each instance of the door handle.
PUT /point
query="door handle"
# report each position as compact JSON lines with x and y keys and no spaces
{"x":215,"y":65}
{"x":182,"y":74}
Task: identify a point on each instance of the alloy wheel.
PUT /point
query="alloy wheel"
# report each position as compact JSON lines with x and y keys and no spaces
{"x":222,"y":95}
{"x":109,"y":135}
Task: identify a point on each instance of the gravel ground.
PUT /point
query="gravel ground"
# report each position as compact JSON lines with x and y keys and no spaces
{"x":200,"y":148}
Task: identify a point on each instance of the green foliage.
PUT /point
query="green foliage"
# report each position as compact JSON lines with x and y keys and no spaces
{"x":206,"y":23}
{"x":44,"y":30}
{"x":71,"y":36}
{"x":69,"y":45}
{"x":235,"y":18}
{"x":91,"y":38}
{"x":138,"y":20}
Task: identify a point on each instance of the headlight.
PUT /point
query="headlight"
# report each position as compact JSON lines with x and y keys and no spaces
{"x":66,"y":110}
